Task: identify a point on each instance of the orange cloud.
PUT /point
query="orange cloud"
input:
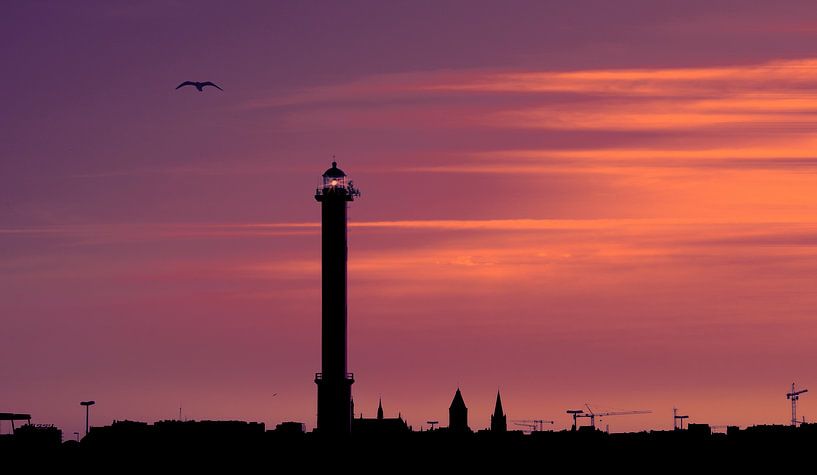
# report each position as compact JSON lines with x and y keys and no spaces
{"x":764,"y":95}
{"x":645,"y":82}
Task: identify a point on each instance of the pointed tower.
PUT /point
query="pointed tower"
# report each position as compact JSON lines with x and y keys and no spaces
{"x":458,"y":414}
{"x":334,"y":383}
{"x":498,"y":420}
{"x":380,"y":409}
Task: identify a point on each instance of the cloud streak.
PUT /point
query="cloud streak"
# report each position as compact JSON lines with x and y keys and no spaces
{"x":205,"y":230}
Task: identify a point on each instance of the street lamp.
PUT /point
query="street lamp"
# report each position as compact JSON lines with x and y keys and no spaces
{"x":87,"y":405}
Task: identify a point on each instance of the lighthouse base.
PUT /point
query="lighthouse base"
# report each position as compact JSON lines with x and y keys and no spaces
{"x":334,"y":404}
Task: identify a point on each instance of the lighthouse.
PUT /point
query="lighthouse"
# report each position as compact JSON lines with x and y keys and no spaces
{"x":334,"y":382}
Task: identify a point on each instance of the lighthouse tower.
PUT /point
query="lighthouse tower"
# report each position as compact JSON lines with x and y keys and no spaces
{"x":334,"y":383}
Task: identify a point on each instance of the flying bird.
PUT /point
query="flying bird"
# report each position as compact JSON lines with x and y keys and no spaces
{"x":199,"y":85}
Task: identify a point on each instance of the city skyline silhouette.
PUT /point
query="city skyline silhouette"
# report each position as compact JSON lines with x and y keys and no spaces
{"x":572,"y":205}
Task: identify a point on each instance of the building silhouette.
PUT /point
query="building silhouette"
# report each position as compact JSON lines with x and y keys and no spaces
{"x":33,"y":436}
{"x":209,"y":435}
{"x":334,"y":382}
{"x":458,"y":414}
{"x":11,"y":417}
{"x":290,"y":427}
{"x":498,"y":419}
{"x":380,"y":424}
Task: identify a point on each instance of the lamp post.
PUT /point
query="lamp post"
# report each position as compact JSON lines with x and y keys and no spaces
{"x":87,"y":405}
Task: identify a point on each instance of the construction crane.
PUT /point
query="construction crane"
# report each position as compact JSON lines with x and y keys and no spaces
{"x":432,"y":424}
{"x":531,"y":427}
{"x":794,"y":395}
{"x":575,"y":413}
{"x":676,"y":418}
{"x":592,"y":415}
{"x":533,"y":424}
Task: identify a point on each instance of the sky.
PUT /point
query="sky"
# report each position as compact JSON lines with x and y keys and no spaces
{"x":611,"y":203}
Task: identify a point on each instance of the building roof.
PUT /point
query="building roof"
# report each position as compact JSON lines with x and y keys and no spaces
{"x":375,"y":426}
{"x":334,"y":172}
{"x":458,"y":402}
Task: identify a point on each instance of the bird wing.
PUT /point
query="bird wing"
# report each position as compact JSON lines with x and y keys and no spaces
{"x":208,"y":83}
{"x":186,"y":83}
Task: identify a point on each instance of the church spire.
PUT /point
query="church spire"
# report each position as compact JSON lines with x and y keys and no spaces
{"x":380,"y":409}
{"x":498,"y":419}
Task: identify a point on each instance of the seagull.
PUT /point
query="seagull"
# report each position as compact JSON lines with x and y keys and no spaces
{"x":199,"y":85}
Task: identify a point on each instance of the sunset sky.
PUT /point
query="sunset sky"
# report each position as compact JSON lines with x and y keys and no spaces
{"x":611,"y":203}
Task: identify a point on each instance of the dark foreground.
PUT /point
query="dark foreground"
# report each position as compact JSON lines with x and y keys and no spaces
{"x":212,"y":444}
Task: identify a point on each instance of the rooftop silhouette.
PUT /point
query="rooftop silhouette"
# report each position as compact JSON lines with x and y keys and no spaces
{"x":207,"y":441}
